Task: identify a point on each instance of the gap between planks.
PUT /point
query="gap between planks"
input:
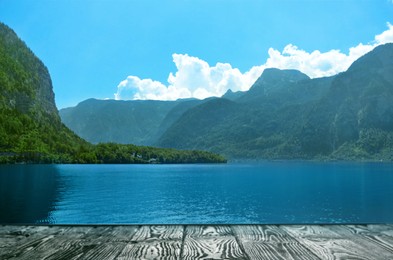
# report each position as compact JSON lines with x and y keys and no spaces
{"x":368,"y":242}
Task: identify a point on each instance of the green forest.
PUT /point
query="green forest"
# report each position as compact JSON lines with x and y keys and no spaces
{"x":30,"y":127}
{"x":22,"y":140}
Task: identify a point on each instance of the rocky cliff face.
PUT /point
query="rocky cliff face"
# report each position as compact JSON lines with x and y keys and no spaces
{"x":287,"y":115}
{"x":358,"y":101}
{"x":30,"y":129}
{"x":30,"y":126}
{"x":24,"y":80}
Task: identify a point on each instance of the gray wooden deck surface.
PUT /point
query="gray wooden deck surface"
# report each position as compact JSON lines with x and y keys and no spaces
{"x":303,"y":242}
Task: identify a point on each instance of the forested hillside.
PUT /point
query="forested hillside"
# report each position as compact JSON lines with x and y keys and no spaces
{"x":31,"y":129}
{"x":286,"y":115}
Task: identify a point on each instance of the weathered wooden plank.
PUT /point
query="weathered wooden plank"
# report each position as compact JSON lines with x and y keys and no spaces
{"x":277,"y":251}
{"x":324,"y":242}
{"x":26,"y":245}
{"x":49,"y":248}
{"x":154,"y":242}
{"x":87,"y":241}
{"x":27,"y":238}
{"x":75,"y":243}
{"x":208,"y":231}
{"x":166,"y":232}
{"x":61,"y":243}
{"x":310,"y":231}
{"x":210,"y":242}
{"x":365,"y":235}
{"x":158,"y":249}
{"x":107,"y":242}
{"x":270,"y":242}
{"x":104,"y":251}
{"x":266,"y":233}
{"x":97,"y":242}
{"x":10,"y":235}
{"x":111,"y":233}
{"x":197,"y":242}
{"x":122,"y":233}
{"x":225,"y":247}
{"x":386,"y":230}
{"x":378,"y":229}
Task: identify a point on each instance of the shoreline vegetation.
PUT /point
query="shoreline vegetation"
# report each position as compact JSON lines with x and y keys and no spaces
{"x":111,"y":153}
{"x":24,"y":140}
{"x":31,"y":130}
{"x":271,"y":121}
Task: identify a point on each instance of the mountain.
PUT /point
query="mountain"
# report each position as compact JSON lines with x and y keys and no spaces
{"x":287,"y":115}
{"x":284,"y":115}
{"x":355,"y":117}
{"x":31,"y":129}
{"x":136,"y":121}
{"x":27,"y":107}
{"x":257,"y":124}
{"x":139,"y":122}
{"x":198,"y":123}
{"x":273,"y":80}
{"x":233,"y":95}
{"x":174,"y":114}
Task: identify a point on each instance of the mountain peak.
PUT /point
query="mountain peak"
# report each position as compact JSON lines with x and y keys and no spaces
{"x":273,"y":78}
{"x":273,"y":74}
{"x":380,"y":57}
{"x":232,"y":95}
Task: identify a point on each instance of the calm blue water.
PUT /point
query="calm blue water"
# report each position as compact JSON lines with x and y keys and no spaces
{"x":270,"y":192}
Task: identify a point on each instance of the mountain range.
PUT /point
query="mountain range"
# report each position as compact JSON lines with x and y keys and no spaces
{"x":31,"y":130}
{"x":284,"y":115}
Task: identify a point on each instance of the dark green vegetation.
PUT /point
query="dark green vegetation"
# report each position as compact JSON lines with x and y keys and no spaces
{"x":287,"y":115}
{"x":136,"y":122}
{"x":31,"y":129}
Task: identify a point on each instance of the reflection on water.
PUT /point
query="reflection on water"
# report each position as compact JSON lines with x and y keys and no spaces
{"x":268,"y":192}
{"x":27,"y":193}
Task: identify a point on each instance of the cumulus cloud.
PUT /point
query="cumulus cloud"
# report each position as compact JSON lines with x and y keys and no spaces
{"x":315,"y":64}
{"x":196,"y":78}
{"x":386,"y":36}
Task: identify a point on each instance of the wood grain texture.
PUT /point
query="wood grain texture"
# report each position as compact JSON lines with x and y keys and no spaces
{"x":19,"y":239}
{"x":168,"y":232}
{"x":203,"y":231}
{"x":369,"y":236}
{"x":373,"y":242}
{"x":50,"y":247}
{"x":154,"y":242}
{"x":159,"y":249}
{"x":266,"y":233}
{"x":211,"y":242}
{"x":212,"y":248}
{"x":333,"y":242}
{"x":104,"y":251}
{"x":310,"y":231}
{"x":270,"y":242}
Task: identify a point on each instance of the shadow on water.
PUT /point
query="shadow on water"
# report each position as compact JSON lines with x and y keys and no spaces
{"x":28,"y":193}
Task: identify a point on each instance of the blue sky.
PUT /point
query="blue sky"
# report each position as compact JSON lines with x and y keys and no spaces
{"x":129,"y":49}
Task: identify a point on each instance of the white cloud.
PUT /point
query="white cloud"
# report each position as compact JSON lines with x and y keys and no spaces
{"x":315,"y":64}
{"x":386,"y":36}
{"x":196,"y":78}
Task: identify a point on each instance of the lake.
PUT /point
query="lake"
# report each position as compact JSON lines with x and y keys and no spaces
{"x":266,"y":192}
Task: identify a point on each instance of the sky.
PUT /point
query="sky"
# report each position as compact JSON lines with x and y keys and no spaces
{"x":169,"y":49}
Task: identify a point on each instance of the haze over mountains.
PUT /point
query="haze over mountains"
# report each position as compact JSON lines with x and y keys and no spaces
{"x":31,"y":130}
{"x":285,"y":114}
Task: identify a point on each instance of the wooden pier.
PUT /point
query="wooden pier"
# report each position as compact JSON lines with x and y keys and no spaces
{"x":283,"y":242}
